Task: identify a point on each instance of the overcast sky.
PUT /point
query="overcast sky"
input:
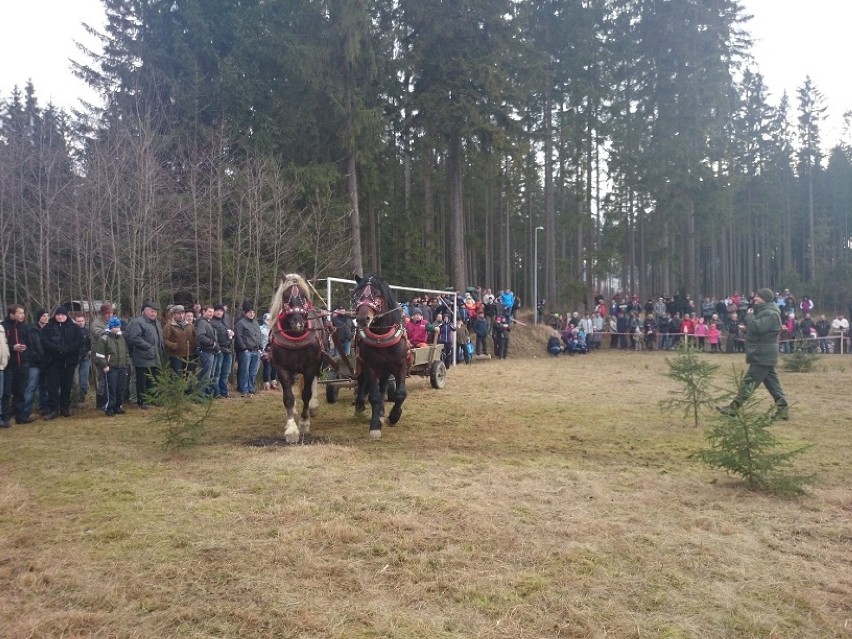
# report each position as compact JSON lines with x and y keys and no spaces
{"x":794,"y":38}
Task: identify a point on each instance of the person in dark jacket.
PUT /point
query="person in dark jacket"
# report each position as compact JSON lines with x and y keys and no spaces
{"x":500,"y":334}
{"x":554,"y":344}
{"x":208,"y":347}
{"x":37,"y":385}
{"x":763,"y":326}
{"x":343,"y":327}
{"x":17,"y":373}
{"x":61,"y":341}
{"x":145,"y":340}
{"x":444,"y":326}
{"x":248,"y":343}
{"x":85,"y":361}
{"x":225,"y":354}
{"x":480,"y":329}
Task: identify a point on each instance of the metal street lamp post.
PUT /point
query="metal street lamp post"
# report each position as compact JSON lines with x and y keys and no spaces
{"x":535,"y":273}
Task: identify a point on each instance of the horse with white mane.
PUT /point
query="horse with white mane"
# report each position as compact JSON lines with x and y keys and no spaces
{"x":296,"y":348}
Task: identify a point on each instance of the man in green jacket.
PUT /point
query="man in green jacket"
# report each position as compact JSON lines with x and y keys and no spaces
{"x":763,"y":325}
{"x":113,"y":358}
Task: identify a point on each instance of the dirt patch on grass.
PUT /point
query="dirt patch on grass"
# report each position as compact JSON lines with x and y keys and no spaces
{"x":531,"y":497}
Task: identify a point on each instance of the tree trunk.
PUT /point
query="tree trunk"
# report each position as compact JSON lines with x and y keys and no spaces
{"x":457,"y":253}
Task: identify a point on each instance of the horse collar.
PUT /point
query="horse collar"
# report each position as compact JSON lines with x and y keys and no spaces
{"x":381,"y":340}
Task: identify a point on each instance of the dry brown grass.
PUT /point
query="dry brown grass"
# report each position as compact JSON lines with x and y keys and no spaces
{"x":529,"y":498}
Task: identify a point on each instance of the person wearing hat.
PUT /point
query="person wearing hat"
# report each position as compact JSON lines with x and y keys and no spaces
{"x":61,"y":341}
{"x":416,"y":329}
{"x":762,"y":326}
{"x":248,"y":344}
{"x":112,"y":357}
{"x":179,"y":340}
{"x":145,"y":341}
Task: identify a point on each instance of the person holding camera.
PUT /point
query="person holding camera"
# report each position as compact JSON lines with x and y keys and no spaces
{"x":762,"y":328}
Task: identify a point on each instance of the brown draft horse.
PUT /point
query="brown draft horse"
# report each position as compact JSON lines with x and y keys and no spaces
{"x":382,"y":348}
{"x":296,"y":347}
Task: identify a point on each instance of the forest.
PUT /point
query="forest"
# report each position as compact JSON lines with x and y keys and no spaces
{"x":441,"y":143}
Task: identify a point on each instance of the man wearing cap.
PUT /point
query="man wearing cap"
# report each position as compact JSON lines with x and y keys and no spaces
{"x":248,"y":342}
{"x":61,"y":341}
{"x":113,"y":359}
{"x":145,"y":340}
{"x":416,"y":329}
{"x":179,"y":339}
{"x":763,"y":325}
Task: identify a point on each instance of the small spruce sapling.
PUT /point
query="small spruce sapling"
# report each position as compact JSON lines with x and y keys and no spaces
{"x":742,"y":443}
{"x":184,"y":407}
{"x":803,"y":357}
{"x":694,"y":374}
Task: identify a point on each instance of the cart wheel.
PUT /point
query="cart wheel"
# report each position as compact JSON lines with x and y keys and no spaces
{"x":331,"y":390}
{"x":438,"y":374}
{"x":391,"y":391}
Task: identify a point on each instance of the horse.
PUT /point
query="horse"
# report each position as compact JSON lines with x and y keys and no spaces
{"x":296,"y":347}
{"x":382,"y":348}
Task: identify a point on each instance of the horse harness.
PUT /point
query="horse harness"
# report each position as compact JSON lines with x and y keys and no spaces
{"x":281,"y":336}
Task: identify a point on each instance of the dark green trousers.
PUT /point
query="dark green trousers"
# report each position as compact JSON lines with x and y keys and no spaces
{"x":754,"y":377}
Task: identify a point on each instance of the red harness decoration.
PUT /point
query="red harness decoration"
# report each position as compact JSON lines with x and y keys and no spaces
{"x":381,"y":340}
{"x":281,"y":338}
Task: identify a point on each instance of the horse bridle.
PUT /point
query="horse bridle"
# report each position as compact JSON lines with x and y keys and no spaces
{"x":370,"y":300}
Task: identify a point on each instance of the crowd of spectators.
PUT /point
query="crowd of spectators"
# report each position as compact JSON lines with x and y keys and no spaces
{"x":42,"y":361}
{"x":479,"y":314}
{"x":713,"y":324}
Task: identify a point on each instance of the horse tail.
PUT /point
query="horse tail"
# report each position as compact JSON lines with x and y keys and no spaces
{"x":277,"y":303}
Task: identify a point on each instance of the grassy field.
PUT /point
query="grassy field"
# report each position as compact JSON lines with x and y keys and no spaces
{"x":529,"y":498}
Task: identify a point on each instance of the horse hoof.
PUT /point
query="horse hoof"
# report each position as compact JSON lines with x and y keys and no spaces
{"x":291,"y":438}
{"x":305,"y":427}
{"x":360,"y":408}
{"x":375,"y":434}
{"x":394,"y":416}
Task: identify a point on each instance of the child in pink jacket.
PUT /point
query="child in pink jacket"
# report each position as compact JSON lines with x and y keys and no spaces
{"x":715,"y":335}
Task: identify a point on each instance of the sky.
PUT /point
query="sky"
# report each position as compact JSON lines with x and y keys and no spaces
{"x":793,"y":39}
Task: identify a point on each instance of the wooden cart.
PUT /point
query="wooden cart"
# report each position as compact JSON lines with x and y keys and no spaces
{"x":425,"y":361}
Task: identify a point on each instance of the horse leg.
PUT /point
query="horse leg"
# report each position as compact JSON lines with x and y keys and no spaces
{"x":307,"y":397}
{"x":377,"y":403}
{"x":361,"y":389}
{"x":291,"y":430}
{"x":313,"y":404}
{"x":398,"y":398}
